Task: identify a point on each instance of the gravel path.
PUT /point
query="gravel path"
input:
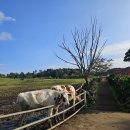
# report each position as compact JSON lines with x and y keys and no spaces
{"x":105,"y":116}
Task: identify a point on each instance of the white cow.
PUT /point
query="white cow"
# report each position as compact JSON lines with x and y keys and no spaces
{"x":42,"y":98}
{"x":68,"y":89}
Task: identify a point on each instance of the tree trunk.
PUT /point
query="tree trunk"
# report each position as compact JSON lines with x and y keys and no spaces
{"x":86,"y":80}
{"x":85,"y":86}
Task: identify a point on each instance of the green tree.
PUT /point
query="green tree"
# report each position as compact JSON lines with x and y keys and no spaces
{"x":22,"y":76}
{"x":127,"y":56}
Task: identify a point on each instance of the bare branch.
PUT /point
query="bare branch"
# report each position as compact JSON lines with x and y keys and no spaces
{"x":85,"y":50}
{"x":66,"y":61}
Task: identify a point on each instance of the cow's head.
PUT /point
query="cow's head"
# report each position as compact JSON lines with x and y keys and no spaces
{"x":62,"y":98}
{"x":68,"y":88}
{"x":65,"y":99}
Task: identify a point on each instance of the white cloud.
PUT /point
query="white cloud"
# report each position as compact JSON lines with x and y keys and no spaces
{"x":116,"y":51}
{"x":5,"y":18}
{"x":119,"y":63}
{"x":4,"y":36}
{"x":117,"y":48}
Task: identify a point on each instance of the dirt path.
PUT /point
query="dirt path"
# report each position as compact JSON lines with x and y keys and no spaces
{"x":105,"y":116}
{"x":105,"y":100}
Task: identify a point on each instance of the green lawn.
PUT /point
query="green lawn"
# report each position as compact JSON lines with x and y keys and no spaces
{"x":10,"y":87}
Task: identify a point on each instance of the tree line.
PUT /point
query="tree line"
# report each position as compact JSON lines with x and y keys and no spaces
{"x":49,"y":73}
{"x":61,"y":73}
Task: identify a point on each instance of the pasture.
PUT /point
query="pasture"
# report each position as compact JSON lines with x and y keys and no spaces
{"x":9,"y":88}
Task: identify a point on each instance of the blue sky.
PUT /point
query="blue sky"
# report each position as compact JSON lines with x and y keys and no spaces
{"x":30,"y":31}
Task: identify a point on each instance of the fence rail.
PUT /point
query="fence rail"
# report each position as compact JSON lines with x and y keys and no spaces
{"x":25,"y":112}
{"x":35,"y":123}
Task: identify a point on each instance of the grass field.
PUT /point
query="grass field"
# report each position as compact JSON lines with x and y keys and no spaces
{"x":10,"y":87}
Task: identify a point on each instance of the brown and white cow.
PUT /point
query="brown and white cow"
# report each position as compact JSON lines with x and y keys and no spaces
{"x":68,"y":89}
{"x":42,"y":98}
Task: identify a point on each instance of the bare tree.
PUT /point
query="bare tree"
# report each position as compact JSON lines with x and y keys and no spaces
{"x":85,"y":50}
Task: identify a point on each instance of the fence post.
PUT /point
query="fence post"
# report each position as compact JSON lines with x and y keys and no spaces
{"x":63,"y":115}
{"x":63,"y":112}
{"x":85,"y":100}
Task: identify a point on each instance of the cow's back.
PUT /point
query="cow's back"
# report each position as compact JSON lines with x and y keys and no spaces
{"x":45,"y":97}
{"x":35,"y":99}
